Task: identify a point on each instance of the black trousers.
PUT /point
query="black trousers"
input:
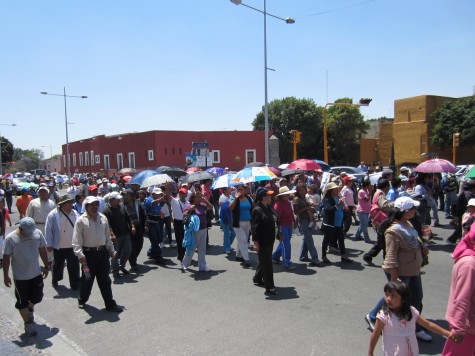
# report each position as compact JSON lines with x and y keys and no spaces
{"x":377,"y":247}
{"x":72,"y":264}
{"x":347,"y":219}
{"x":99,"y":266}
{"x":179,"y":235}
{"x":264,"y":272}
{"x":332,"y":234}
{"x":137,"y":245}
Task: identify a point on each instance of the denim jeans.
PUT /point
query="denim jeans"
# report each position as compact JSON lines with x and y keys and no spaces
{"x":450,"y":199}
{"x":283,"y":249}
{"x":363,"y":228}
{"x":307,"y":243}
{"x":228,"y":236}
{"x":155,"y":236}
{"x":415,"y":286}
{"x":167,"y":223}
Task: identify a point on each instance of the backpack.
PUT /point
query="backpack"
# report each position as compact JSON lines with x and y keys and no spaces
{"x":376,"y":214}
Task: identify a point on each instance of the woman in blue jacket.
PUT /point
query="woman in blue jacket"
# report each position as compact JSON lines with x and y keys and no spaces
{"x":333,"y":222}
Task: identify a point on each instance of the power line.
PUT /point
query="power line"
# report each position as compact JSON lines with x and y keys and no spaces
{"x":335,"y":9}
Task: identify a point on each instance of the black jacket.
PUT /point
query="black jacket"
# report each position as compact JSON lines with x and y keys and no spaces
{"x":119,"y":220}
{"x":263,"y":224}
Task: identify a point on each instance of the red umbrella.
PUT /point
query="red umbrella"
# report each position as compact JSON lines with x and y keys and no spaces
{"x":435,"y":165}
{"x":193,"y":169}
{"x":127,"y":178}
{"x":304,"y":165}
{"x":274,"y":170}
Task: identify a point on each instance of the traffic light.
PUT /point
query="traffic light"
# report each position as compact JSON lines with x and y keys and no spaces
{"x":456,"y":139}
{"x":297,"y":136}
{"x":291,"y":136}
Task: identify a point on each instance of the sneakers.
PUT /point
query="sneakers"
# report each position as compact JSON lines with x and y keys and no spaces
{"x":173,"y":244}
{"x":30,"y":329}
{"x":277,"y":262}
{"x":370,"y":323}
{"x":367,"y":259}
{"x":247,"y":263}
{"x":184,"y":269}
{"x":422,"y":335}
{"x":81,"y":304}
{"x":207,"y":269}
{"x":290,"y":267}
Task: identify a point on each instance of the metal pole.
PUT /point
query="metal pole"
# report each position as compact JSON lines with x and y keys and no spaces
{"x":325,"y":143}
{"x":67,"y":136}
{"x":266,"y":104}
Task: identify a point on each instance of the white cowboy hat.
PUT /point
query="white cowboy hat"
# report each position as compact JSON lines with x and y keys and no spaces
{"x":285,"y":190}
{"x":329,"y":187}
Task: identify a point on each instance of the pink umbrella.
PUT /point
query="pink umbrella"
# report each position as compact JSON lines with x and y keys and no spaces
{"x":193,"y":169}
{"x":127,"y":178}
{"x":435,"y":165}
{"x":274,"y":170}
{"x":304,"y":165}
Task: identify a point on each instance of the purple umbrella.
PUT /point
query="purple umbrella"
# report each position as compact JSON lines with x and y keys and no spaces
{"x":216,"y":170}
{"x":436,"y":165}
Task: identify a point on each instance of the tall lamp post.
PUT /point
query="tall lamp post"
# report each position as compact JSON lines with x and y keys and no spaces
{"x":1,"y":142}
{"x":287,"y":20}
{"x":362,"y":102}
{"x":68,"y":162}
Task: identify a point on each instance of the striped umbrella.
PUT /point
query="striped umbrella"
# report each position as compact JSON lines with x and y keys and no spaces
{"x":223,"y":181}
{"x":253,"y":174}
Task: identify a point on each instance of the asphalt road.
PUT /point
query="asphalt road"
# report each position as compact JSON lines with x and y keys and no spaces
{"x":319,"y":311}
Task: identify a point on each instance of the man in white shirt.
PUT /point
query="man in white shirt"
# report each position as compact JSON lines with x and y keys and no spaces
{"x":39,"y":208}
{"x":92,"y":244}
{"x":59,"y":230}
{"x":178,"y":206}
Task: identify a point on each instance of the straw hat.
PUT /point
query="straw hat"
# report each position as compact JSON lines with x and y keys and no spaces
{"x":285,"y":190}
{"x":330,"y":186}
{"x":65,"y":198}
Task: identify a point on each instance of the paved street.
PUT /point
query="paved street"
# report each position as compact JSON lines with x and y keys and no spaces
{"x":319,"y":311}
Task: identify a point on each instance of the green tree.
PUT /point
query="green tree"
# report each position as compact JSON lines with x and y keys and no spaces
{"x":291,"y":113}
{"x":30,"y":157}
{"x":6,"y":152}
{"x":345,"y":125}
{"x":454,"y":116}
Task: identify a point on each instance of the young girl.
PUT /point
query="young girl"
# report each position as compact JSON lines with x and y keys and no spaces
{"x":314,"y":199}
{"x":397,"y":321}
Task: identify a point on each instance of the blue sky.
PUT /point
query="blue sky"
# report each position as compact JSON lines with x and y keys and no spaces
{"x":199,"y":65}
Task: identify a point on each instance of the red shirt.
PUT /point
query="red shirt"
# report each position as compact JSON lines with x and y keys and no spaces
{"x":284,"y":212}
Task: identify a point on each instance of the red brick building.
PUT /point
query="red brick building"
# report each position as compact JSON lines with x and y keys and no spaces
{"x":151,"y":149}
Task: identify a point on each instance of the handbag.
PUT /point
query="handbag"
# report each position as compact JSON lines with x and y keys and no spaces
{"x":376,"y":214}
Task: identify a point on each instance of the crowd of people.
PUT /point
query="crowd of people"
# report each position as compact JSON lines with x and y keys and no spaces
{"x":98,"y":227}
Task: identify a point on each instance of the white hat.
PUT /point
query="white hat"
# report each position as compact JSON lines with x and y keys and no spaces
{"x":404,"y":168}
{"x":471,"y":202}
{"x":405,"y":203}
{"x":43,"y":188}
{"x":115,"y":195}
{"x":157,"y":191}
{"x":90,"y":199}
{"x":285,"y":190}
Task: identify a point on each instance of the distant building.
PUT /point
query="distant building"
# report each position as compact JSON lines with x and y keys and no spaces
{"x":151,"y":149}
{"x":376,"y":144}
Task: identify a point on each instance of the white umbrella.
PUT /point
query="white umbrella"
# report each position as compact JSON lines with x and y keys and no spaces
{"x":283,"y":166}
{"x":223,"y":181}
{"x":157,"y":179}
{"x":374,"y":177}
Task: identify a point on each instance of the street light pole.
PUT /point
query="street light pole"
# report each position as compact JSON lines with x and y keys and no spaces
{"x":362,"y":102}
{"x":68,"y":160}
{"x":1,"y":142}
{"x":287,"y":20}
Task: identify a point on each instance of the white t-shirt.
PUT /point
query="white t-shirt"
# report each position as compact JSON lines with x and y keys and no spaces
{"x":24,"y":252}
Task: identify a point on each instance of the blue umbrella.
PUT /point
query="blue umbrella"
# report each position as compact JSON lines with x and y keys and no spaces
{"x":216,"y":170}
{"x":140,"y":177}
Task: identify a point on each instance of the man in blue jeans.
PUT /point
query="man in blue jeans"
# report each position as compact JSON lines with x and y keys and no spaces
{"x":225,"y":218}
{"x":153,"y":209}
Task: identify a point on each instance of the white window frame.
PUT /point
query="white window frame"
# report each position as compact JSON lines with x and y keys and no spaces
{"x":150,"y":155}
{"x":81,"y":160}
{"x":131,"y":156}
{"x":74,"y":159}
{"x":120,"y":162}
{"x":217,"y":158}
{"x":86,"y":158}
{"x":98,"y":159}
{"x":92,"y":158}
{"x":253,"y":153}
{"x":107,"y":162}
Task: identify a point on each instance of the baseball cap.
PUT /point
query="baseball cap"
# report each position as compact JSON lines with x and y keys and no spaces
{"x":405,"y":203}
{"x":471,"y":202}
{"x":28,"y":225}
{"x":263,"y":191}
{"x":157,"y":191}
{"x":183,"y":190}
{"x":43,"y":188}
{"x":404,"y":168}
{"x":115,"y":195}
{"x":90,"y":199}
{"x":92,"y":187}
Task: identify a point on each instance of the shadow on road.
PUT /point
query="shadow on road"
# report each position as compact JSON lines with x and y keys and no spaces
{"x":97,"y":315}
{"x":284,"y":294}
{"x":436,"y":346}
{"x":40,"y":341}
{"x":64,"y":292}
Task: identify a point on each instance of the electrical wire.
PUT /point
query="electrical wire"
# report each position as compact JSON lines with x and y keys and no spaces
{"x":335,"y":9}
